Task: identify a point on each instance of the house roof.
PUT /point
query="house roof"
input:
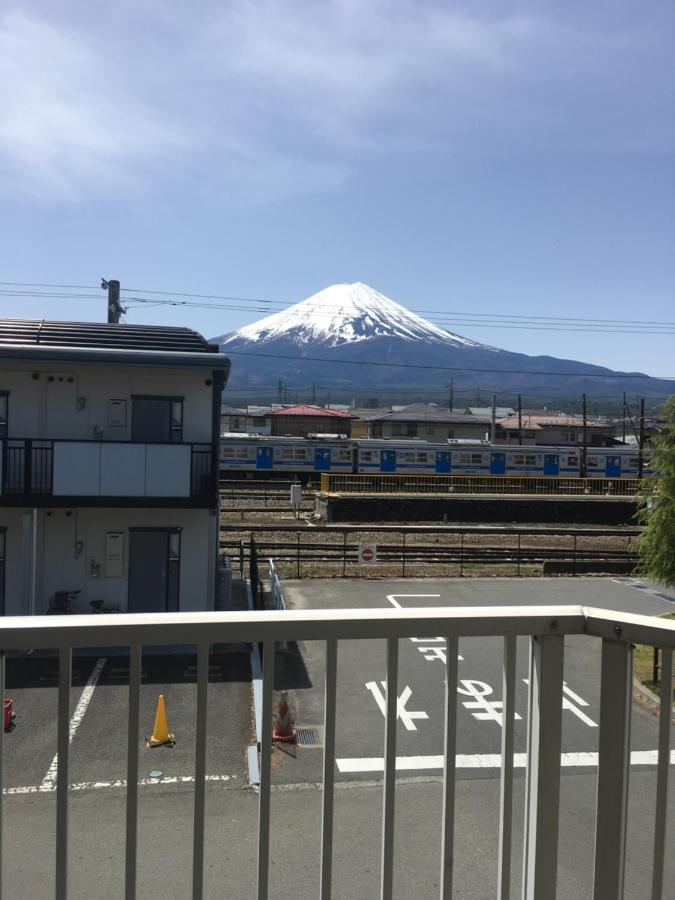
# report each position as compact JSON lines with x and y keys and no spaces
{"x":40,"y":339}
{"x":421,"y":412}
{"x":226,"y":410}
{"x":501,"y":412}
{"x":312,"y":412}
{"x":538,"y":422}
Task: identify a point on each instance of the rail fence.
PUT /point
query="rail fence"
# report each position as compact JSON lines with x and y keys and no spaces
{"x":435,"y":552}
{"x":545,"y":628}
{"x":479,"y":484}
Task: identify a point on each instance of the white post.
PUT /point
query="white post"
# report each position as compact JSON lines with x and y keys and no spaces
{"x":542,"y":789}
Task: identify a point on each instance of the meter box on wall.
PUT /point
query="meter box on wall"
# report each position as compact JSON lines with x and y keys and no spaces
{"x":114,"y":554}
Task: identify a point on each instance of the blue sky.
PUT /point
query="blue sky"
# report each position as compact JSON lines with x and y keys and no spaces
{"x":474,"y":159}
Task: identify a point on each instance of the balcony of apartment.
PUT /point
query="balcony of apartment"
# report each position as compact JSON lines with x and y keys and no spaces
{"x":182,"y":843}
{"x":46,"y":472}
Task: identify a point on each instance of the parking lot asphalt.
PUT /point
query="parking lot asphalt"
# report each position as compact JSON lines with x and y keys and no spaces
{"x":99,"y":717}
{"x":421,"y":688}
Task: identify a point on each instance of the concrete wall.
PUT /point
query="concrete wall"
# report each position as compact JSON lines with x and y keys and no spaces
{"x":73,"y":402}
{"x":70,"y":555}
{"x":460,"y":510}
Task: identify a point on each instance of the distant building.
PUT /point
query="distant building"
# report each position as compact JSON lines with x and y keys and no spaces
{"x":553,"y":430}
{"x":302,"y":420}
{"x":109,"y":466}
{"x":501,"y":412}
{"x":429,"y":423}
{"x":242,"y":421}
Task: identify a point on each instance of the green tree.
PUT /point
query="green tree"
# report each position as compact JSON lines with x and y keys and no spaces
{"x":657,"y":505}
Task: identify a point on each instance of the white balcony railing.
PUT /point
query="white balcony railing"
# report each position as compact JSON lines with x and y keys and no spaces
{"x":546,"y":628}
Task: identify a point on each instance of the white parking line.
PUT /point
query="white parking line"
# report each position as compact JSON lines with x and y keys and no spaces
{"x":487,"y":761}
{"x":118,"y":783}
{"x":49,"y":781}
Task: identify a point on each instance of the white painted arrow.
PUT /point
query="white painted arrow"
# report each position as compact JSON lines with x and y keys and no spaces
{"x":407,"y":716}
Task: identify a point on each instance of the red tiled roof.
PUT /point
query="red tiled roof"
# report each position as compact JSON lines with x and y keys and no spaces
{"x":312,"y":411}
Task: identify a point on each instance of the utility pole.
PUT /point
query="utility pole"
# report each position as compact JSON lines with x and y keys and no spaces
{"x":584,"y":448}
{"x":314,"y":394}
{"x":623,"y":419}
{"x":493,"y":420}
{"x":520,"y":420}
{"x":641,"y":455}
{"x":478,"y":397}
{"x":115,"y":308}
{"x":451,"y":394}
{"x":280,"y":390}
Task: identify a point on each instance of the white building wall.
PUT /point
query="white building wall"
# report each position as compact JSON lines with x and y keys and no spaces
{"x":70,"y":555}
{"x":47,"y":402}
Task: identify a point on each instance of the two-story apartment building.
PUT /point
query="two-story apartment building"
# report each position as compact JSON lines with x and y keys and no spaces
{"x":109,"y":439}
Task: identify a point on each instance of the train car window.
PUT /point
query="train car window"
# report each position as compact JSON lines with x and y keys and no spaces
{"x":592,"y":461}
{"x":422,"y":457}
{"x":572,"y":459}
{"x":634,"y":462}
{"x":300,"y":454}
{"x":409,"y":457}
{"x":287,"y":453}
{"x":344,"y":454}
{"x":366,"y":456}
{"x":524,"y":459}
{"x":470,"y":459}
{"x":228,"y":452}
{"x":243,"y":452}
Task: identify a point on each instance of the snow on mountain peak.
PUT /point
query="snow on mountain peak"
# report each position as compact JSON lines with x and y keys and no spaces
{"x":345,"y":313}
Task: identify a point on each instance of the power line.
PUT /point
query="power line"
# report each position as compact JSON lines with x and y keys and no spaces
{"x":284,"y":302}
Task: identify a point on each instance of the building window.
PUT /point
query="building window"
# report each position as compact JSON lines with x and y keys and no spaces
{"x":235,"y":424}
{"x":404,"y":429}
{"x":157,"y":419}
{"x":259,"y":420}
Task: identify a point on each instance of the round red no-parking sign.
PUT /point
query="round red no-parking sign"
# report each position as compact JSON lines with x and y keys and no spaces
{"x":367,"y":553}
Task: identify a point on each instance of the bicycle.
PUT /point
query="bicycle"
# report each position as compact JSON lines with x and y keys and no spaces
{"x":61,"y":603}
{"x":98,"y":608}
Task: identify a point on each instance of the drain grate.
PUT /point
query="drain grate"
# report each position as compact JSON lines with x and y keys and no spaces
{"x":307,"y":737}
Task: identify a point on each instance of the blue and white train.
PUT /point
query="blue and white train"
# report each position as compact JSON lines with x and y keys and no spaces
{"x":266,"y":456}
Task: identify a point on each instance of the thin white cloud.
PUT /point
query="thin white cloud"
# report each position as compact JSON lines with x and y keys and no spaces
{"x":264,"y":99}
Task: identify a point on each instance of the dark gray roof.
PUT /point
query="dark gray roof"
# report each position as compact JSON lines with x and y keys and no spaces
{"x":103,"y":335}
{"x":423,"y":413}
{"x":103,"y":343}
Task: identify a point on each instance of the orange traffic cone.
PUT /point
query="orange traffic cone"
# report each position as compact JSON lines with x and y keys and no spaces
{"x":283,"y":723}
{"x":160,"y":733}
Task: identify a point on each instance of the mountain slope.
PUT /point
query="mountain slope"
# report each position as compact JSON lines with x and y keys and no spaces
{"x":351,"y":339}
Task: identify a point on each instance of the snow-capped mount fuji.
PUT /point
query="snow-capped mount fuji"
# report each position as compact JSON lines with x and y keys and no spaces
{"x":344,"y":314}
{"x":351,"y":341}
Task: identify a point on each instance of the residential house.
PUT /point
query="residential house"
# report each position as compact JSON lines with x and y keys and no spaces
{"x":553,"y":430}
{"x":429,"y":423}
{"x":245,"y":421}
{"x":109,"y":465}
{"x":301,"y":421}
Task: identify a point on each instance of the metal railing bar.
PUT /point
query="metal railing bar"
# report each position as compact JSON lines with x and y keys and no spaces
{"x":200,"y":772}
{"x":662,"y":774}
{"x":448,"y":826}
{"x":39,"y":632}
{"x":634,"y":628}
{"x":62,"y":749}
{"x":506,"y":783}
{"x":330,"y":699}
{"x":135,"y":654}
{"x":265,"y":771}
{"x":389,"y":792}
{"x":2,"y":735}
{"x":543,"y":769}
{"x":616,"y":686}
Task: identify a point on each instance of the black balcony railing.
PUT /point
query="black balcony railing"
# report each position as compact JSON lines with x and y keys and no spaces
{"x":201,"y":480}
{"x":27,"y":467}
